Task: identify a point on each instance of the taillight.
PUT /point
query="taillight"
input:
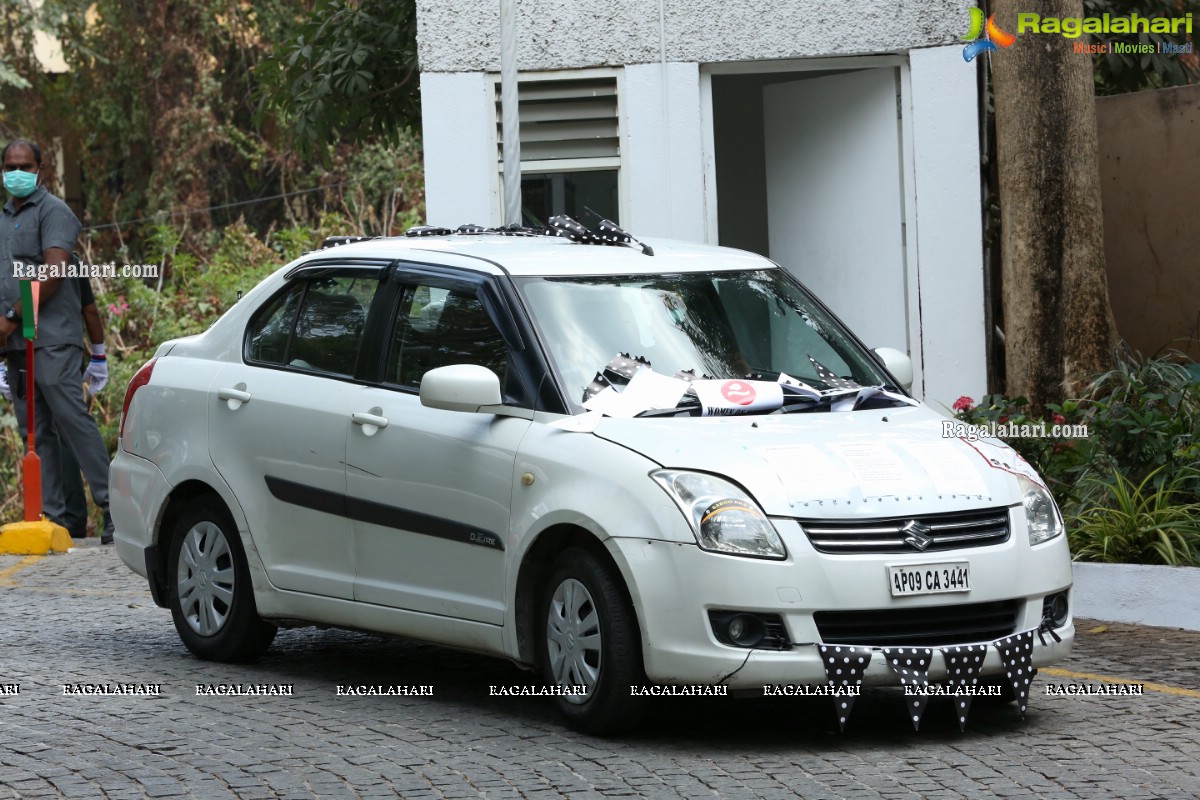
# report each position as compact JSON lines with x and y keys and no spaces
{"x":140,"y":379}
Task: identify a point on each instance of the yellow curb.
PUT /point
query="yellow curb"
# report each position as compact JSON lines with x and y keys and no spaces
{"x":33,"y":538}
{"x":1149,"y":687}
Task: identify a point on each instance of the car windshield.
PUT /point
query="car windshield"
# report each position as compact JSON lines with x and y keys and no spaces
{"x":738,"y":324}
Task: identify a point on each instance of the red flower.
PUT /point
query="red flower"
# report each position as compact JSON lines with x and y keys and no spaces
{"x":963,"y":403}
{"x":1059,"y":419}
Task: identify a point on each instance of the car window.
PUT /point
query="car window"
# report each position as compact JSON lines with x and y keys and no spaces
{"x":437,"y":327}
{"x":313,"y":325}
{"x":268,"y":333}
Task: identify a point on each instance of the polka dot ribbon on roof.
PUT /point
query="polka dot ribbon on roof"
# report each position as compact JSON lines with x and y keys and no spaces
{"x":911,"y":665}
{"x":845,"y":666}
{"x":1017,"y":653}
{"x":963,"y":664}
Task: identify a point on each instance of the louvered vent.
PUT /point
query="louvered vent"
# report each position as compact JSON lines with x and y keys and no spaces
{"x":565,"y":119}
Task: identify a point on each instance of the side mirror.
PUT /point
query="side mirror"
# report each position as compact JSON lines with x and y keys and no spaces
{"x":897,"y":363}
{"x":460,"y":387}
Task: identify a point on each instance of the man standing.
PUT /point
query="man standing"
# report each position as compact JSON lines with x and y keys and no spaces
{"x":36,"y":228}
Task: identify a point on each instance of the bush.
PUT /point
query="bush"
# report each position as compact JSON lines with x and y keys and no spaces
{"x":1144,"y":523}
{"x":1129,"y":490}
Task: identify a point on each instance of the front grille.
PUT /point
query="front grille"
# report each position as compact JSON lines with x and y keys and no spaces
{"x":937,"y":531}
{"x":932,"y":626}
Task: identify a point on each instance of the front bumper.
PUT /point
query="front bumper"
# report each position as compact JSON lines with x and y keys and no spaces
{"x":675,"y":585}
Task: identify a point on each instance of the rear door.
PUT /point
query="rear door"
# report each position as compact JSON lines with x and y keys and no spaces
{"x":430,"y":490}
{"x":278,"y":424}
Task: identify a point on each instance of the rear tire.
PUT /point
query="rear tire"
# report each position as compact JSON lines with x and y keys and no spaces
{"x":208,"y":586}
{"x":589,"y":637}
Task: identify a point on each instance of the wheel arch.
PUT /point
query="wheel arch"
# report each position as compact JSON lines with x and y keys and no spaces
{"x":535,"y":570}
{"x":180,"y":498}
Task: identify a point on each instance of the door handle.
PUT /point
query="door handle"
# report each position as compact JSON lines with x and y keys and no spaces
{"x":363,"y":418}
{"x":234,"y":394}
{"x":234,"y":397}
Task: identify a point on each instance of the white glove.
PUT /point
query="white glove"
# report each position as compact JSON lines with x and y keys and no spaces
{"x":96,"y":374}
{"x":4,"y":390}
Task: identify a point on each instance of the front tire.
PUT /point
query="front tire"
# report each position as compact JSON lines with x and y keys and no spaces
{"x":589,"y":638}
{"x":209,"y":590}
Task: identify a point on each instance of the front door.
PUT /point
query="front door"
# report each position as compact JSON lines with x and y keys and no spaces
{"x":429,"y":491}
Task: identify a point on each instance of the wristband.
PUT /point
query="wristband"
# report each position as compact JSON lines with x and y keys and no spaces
{"x":98,"y":352}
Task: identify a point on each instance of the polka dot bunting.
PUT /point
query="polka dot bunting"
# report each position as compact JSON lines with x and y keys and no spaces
{"x":911,"y":666}
{"x":844,"y":666}
{"x":963,"y":664}
{"x":1017,"y":653}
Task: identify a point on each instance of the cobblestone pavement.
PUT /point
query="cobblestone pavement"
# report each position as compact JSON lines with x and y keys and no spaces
{"x":83,"y":617}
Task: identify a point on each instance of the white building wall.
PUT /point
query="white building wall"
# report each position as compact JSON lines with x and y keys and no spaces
{"x":944,"y":249}
{"x":460,"y":150}
{"x":663,"y":178}
{"x":464,"y":35}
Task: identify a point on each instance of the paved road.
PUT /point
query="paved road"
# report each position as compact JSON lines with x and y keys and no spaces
{"x":83,"y":618}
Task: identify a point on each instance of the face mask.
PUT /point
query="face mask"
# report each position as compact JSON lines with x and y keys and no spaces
{"x":20,"y":183}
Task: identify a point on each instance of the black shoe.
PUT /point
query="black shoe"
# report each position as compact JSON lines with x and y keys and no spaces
{"x":107,"y":536}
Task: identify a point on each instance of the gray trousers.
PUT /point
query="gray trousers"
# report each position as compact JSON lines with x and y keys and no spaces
{"x":59,"y":405}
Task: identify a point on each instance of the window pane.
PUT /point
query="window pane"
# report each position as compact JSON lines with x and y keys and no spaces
{"x":544,"y":195}
{"x":267,"y":334}
{"x":439,"y":327}
{"x":330,"y":324}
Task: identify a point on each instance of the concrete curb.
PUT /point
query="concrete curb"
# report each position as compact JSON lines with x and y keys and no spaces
{"x":1143,"y":594}
{"x":34,"y":538}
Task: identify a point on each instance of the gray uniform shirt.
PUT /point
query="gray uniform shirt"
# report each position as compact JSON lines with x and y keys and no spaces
{"x":43,"y":221}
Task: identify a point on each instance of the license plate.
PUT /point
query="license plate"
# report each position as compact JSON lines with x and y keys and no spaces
{"x":929,"y":578}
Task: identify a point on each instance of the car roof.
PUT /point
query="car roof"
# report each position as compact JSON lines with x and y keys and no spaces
{"x":548,"y":255}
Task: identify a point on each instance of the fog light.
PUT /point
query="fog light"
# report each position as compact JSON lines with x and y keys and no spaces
{"x":749,"y":629}
{"x":745,"y":630}
{"x":1056,"y":609}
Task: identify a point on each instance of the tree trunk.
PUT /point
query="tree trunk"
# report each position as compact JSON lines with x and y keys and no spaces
{"x":1058,"y":324}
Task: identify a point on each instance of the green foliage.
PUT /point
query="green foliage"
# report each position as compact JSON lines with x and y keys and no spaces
{"x":350,"y":72}
{"x":1130,"y":490}
{"x":1143,"y":523}
{"x":1115,"y":73}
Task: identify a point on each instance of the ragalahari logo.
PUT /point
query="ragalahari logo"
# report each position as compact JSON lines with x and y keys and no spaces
{"x":991,"y":33}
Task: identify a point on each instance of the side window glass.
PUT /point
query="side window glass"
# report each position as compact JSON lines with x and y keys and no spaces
{"x":330,"y":323}
{"x":437,"y":327}
{"x":268,"y":333}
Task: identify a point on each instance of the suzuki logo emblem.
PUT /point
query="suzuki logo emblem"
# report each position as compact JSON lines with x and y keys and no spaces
{"x":916,"y":534}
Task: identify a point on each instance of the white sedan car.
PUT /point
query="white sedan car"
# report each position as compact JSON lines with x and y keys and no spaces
{"x":627,"y":466}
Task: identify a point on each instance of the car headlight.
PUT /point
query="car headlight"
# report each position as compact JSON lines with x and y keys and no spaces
{"x":1041,"y":512}
{"x":723,"y":517}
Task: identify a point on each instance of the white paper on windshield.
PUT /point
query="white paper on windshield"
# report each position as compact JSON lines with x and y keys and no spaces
{"x":647,"y":389}
{"x":948,"y":468}
{"x":807,"y":473}
{"x":877,"y":470}
{"x":579,"y":423}
{"x":721,"y":398}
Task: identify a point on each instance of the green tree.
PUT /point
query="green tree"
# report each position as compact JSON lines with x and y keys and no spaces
{"x":1115,"y":73}
{"x":349,"y":73}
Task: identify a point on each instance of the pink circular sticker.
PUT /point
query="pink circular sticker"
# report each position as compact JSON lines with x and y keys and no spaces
{"x":738,"y":392}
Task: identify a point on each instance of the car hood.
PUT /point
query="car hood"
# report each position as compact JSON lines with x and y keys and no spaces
{"x":874,"y":463}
